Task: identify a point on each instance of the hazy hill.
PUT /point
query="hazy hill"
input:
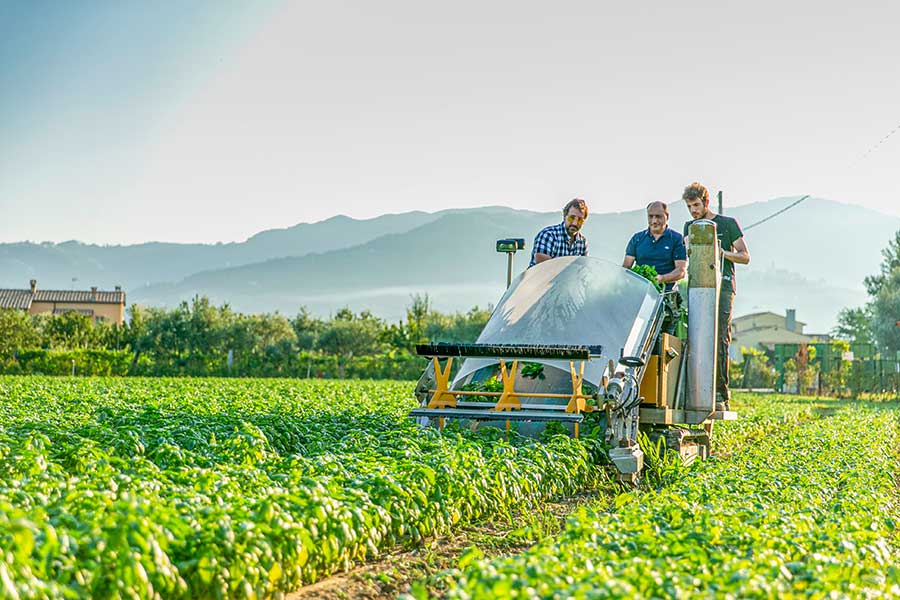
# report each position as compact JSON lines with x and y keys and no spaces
{"x":55,"y":265}
{"x":813,"y":258}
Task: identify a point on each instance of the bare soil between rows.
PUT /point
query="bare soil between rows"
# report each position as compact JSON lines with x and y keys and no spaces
{"x":395,"y":572}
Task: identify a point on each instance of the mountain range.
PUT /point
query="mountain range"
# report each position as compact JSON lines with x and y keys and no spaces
{"x":812,"y":257}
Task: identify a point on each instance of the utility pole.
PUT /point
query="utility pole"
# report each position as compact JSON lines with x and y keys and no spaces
{"x":720,"y":201}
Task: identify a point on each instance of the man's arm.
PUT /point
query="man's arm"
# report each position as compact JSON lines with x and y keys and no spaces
{"x":542,"y":243}
{"x":739,"y":254}
{"x":630,"y":253}
{"x":676,"y":275}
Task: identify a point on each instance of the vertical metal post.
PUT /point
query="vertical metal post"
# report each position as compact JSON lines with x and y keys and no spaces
{"x":509,"y":269}
{"x":704,"y":280}
{"x":720,"y":202}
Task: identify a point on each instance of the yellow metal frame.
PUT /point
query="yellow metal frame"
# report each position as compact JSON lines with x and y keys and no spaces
{"x":443,"y":397}
{"x":509,"y":399}
{"x":577,"y":403}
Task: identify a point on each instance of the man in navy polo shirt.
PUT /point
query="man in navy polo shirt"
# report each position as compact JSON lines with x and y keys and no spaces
{"x":663,"y":249}
{"x":659,"y":247}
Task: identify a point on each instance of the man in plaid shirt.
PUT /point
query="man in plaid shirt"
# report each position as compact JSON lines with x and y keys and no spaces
{"x":563,"y":239}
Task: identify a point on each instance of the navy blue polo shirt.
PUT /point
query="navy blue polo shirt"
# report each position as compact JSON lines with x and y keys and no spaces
{"x":660,"y":254}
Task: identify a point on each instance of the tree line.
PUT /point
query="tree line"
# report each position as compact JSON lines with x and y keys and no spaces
{"x":871,"y":332}
{"x":878,"y":321}
{"x":198,"y":338}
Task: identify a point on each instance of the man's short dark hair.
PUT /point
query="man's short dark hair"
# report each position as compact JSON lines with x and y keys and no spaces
{"x":665,"y":206}
{"x":694,"y":191}
{"x":577,"y":203}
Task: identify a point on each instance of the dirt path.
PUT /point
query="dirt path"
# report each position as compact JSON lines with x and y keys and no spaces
{"x":396,"y":572}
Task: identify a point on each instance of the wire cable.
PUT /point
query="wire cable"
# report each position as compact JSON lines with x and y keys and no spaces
{"x":880,"y":142}
{"x":872,"y":149}
{"x":775,"y":214}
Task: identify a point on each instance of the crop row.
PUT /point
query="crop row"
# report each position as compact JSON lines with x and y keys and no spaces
{"x":806,"y":510}
{"x":220,"y":488}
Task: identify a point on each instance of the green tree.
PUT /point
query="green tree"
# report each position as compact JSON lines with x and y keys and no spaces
{"x":208,"y":333}
{"x":837,"y":378}
{"x":756,"y":371}
{"x":17,"y":332}
{"x":307,"y":329}
{"x":884,"y":303}
{"x":348,"y":335}
{"x":854,"y":325}
{"x":264,"y":344}
{"x":885,"y":308}
{"x":134,"y":330}
{"x":165,"y":334}
{"x":404,"y":335}
{"x":891,"y":255}
{"x":458,"y":327}
{"x":417,"y":315}
{"x":70,"y":331}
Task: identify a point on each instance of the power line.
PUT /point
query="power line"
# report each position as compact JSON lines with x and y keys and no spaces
{"x":775,"y":214}
{"x":796,"y":202}
{"x":880,"y":142}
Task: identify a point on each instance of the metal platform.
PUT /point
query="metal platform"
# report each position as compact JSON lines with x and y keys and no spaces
{"x":494,"y":415}
{"x":669,"y":416}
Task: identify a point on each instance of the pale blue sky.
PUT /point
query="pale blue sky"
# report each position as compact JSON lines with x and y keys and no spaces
{"x":205,"y":121}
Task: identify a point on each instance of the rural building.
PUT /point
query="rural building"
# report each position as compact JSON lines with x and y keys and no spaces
{"x":101,"y":306}
{"x":765,"y":329}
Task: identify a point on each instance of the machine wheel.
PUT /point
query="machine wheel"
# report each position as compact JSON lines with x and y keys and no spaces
{"x":690,"y":444}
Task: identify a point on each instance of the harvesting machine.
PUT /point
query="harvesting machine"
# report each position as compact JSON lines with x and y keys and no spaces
{"x":578,"y":340}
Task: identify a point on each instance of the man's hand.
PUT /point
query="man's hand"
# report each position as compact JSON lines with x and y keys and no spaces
{"x":675,"y":275}
{"x":739,"y":254}
{"x":540,"y":257}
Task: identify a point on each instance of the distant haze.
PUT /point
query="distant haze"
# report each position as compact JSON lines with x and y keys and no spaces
{"x":204,"y":121}
{"x":812,"y":257}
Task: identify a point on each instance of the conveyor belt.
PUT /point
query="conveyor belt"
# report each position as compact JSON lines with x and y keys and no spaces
{"x":545,"y":351}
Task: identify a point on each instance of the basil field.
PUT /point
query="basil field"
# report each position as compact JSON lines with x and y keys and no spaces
{"x":225,"y":488}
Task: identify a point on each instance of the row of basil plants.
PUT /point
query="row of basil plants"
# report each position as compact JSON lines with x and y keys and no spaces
{"x":240,"y":489}
{"x":804,"y":507}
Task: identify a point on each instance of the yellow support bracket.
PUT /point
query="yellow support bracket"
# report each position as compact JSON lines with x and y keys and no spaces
{"x":509,"y":400}
{"x":577,"y":403}
{"x":442,"y":397}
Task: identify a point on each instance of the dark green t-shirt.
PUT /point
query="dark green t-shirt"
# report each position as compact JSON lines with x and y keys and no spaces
{"x":728,"y":231}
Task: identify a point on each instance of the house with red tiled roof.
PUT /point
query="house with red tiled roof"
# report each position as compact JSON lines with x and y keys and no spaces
{"x":99,"y":305}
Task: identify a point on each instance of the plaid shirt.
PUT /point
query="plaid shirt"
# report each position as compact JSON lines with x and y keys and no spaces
{"x":554,"y":242}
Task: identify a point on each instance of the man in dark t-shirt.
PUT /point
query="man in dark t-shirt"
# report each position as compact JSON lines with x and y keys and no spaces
{"x":734,"y":251}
